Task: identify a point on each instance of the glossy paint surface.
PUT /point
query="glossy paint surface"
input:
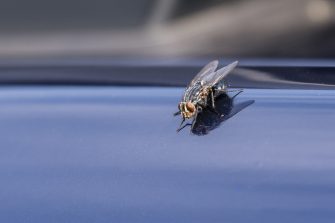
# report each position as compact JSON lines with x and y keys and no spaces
{"x":112,"y":154}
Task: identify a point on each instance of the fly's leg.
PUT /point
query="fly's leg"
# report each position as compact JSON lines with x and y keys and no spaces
{"x":234,"y":90}
{"x":212,"y":97}
{"x":187,"y":124}
{"x":212,"y":108}
{"x":228,"y":90}
{"x":239,"y":92}
{"x":176,"y":113}
{"x":202,"y":104}
{"x":182,"y":122}
{"x":180,"y":126}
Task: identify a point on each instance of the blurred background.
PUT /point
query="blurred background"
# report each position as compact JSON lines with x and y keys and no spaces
{"x":186,"y":28}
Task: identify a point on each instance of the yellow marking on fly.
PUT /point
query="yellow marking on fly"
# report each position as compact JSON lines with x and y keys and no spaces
{"x":205,"y":92}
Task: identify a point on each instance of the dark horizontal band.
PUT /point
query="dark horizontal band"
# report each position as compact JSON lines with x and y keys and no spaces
{"x":285,"y":74}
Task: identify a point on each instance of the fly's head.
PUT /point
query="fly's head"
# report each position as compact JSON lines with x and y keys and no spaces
{"x":187,"y":109}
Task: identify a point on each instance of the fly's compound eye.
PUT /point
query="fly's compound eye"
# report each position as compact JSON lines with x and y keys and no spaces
{"x":190,"y":107}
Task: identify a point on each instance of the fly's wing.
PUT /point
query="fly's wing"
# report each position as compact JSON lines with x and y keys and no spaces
{"x":207,"y":70}
{"x":219,"y":74}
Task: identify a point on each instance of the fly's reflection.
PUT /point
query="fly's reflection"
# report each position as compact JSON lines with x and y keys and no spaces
{"x":225,"y":108}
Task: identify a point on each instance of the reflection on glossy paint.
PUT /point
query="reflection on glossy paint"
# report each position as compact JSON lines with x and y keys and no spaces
{"x":210,"y":119}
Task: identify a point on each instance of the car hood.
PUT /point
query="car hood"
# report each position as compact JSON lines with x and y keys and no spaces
{"x":112,"y":154}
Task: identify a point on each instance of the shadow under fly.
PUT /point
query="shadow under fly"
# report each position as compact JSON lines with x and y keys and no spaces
{"x":225,"y":108}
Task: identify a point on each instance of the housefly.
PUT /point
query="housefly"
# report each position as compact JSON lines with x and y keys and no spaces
{"x":202,"y":91}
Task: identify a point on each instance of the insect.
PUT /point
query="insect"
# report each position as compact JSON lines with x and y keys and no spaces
{"x":202,"y":91}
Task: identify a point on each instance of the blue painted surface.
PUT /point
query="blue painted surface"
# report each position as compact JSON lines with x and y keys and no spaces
{"x":108,"y":154}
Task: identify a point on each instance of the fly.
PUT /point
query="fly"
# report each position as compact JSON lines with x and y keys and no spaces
{"x":202,"y":91}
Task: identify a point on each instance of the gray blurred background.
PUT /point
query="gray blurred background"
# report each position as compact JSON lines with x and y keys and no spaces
{"x":230,"y":28}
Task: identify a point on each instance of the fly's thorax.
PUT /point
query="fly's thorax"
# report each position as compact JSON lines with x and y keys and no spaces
{"x":187,"y":109}
{"x":205,"y":91}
